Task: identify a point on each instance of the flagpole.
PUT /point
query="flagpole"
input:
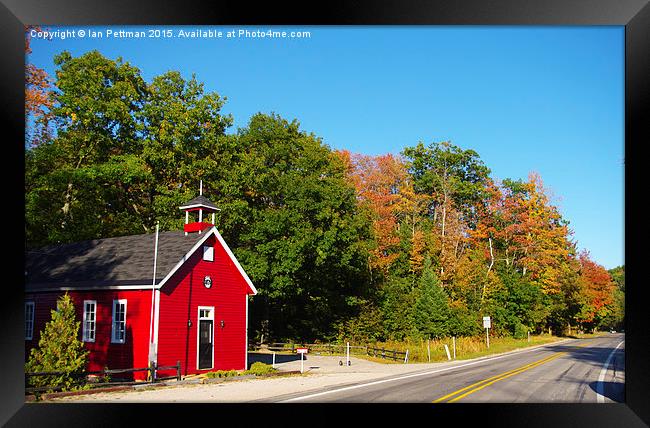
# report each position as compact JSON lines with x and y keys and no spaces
{"x":153,"y":290}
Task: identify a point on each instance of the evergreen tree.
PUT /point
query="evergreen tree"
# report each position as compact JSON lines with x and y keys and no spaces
{"x":59,"y":349}
{"x":397,"y":298}
{"x":431,"y":311}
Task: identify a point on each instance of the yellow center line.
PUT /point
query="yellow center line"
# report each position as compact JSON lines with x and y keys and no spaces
{"x":506,"y":376}
{"x":489,"y":381}
{"x":491,"y":378}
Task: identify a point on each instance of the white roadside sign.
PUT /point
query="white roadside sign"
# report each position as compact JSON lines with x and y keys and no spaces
{"x":302,"y":352}
{"x":487,"y":322}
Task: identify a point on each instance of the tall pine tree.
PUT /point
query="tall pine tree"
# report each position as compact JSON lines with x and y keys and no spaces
{"x":431,"y":311}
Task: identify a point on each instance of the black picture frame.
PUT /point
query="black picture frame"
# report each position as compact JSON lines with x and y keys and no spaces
{"x":633,"y":14}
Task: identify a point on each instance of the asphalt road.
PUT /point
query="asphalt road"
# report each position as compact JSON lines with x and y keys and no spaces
{"x":576,"y":371}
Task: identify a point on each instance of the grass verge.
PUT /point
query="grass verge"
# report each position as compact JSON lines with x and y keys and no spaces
{"x":466,"y":347}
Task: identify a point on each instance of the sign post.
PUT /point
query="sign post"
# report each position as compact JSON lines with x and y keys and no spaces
{"x":302,"y":352}
{"x":486,"y":325}
{"x":347,"y":354}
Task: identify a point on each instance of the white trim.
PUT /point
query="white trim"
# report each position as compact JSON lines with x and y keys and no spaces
{"x":246,"y":335}
{"x":187,"y":207}
{"x":108,"y":287}
{"x":212,"y":230}
{"x":156,"y":320}
{"x":33,"y":305}
{"x":83,"y":325}
{"x":171,"y":272}
{"x":113,"y":339}
{"x":234,"y":259}
{"x":184,"y":259}
{"x":198,"y":326}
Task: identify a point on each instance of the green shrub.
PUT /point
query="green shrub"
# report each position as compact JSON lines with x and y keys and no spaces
{"x":520,"y":331}
{"x":259,"y":368}
{"x":222,"y":373}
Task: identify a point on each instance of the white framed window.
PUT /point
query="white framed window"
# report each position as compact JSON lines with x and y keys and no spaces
{"x":89,"y":320}
{"x":29,"y":320}
{"x":208,"y":253}
{"x":118,"y":326}
{"x":206,"y":312}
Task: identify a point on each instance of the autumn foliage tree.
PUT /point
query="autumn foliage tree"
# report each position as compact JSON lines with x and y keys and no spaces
{"x":378,"y":180}
{"x":372,"y":247}
{"x":597,"y":291}
{"x":38,"y":97}
{"x":454,"y":179}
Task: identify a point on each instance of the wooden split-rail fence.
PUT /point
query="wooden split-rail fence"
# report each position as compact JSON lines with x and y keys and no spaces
{"x":388,"y":354}
{"x":84,"y":377}
{"x":333,"y":349}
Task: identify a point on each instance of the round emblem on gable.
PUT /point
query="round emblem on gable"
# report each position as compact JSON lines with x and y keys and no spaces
{"x":207,"y":281}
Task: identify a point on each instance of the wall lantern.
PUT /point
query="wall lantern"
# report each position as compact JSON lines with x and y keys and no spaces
{"x":207,"y":282}
{"x":222,"y":324}
{"x":189,"y":323}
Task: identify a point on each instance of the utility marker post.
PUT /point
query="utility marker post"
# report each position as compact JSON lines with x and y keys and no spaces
{"x":454,"y":342}
{"x":347,"y":354}
{"x":447,"y":350}
{"x":486,"y":325}
{"x":428,"y":350}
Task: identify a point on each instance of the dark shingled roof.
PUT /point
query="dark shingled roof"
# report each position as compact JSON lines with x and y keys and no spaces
{"x":124,"y":260}
{"x":200,"y":200}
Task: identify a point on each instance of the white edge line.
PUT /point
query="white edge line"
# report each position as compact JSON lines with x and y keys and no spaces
{"x":600,"y":386}
{"x":482,"y":360}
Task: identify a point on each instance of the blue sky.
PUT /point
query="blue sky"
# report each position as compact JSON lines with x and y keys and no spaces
{"x":544,"y":99}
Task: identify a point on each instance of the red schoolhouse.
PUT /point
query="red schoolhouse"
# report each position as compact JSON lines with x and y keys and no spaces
{"x":195,"y":310}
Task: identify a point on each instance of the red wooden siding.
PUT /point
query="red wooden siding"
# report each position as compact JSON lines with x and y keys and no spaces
{"x":179,"y":301}
{"x":195,"y":227}
{"x":180,"y":298}
{"x":131,"y":354}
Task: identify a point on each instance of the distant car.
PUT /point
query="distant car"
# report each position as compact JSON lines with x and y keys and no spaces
{"x":612,"y":331}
